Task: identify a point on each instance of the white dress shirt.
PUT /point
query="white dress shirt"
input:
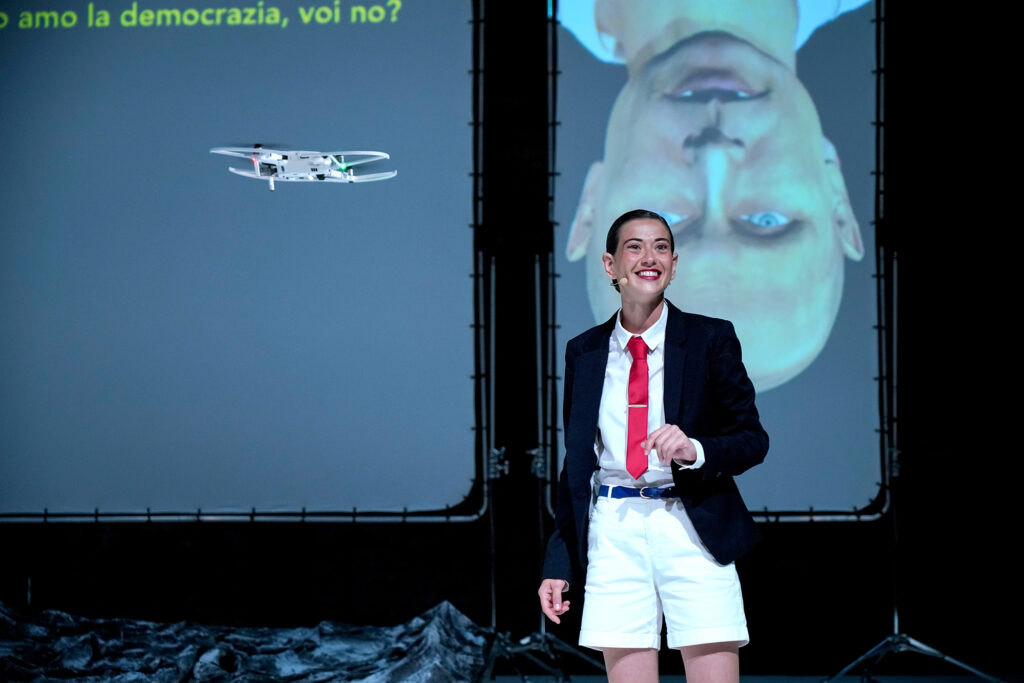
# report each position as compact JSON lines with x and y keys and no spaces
{"x":613,"y":418}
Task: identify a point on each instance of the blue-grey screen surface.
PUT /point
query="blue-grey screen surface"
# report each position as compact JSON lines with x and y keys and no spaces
{"x":176,"y":337}
{"x":823,"y":418}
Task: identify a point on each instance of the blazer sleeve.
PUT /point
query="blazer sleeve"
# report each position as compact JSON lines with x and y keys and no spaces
{"x":738,"y":441}
{"x":557,"y":559}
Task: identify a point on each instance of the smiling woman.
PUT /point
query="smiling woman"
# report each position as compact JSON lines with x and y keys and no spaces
{"x":642,"y":247}
{"x":658,"y":401}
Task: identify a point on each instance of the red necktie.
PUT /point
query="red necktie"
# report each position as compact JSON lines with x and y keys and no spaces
{"x":636,"y":460}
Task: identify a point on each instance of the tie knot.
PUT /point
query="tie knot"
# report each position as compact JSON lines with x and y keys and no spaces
{"x":637,"y":348}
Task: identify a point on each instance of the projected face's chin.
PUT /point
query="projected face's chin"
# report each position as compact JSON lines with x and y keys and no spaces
{"x":726,"y":143}
{"x":639,"y":29}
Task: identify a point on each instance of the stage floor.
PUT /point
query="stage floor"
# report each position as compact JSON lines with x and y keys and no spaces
{"x":673,"y":676}
{"x":440,"y":645}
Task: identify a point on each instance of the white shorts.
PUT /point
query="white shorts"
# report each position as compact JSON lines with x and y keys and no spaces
{"x":644,"y":561}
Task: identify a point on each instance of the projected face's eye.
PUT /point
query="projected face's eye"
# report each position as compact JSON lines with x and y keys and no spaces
{"x":673,"y":218}
{"x":677,"y":222}
{"x":765,"y":223}
{"x":703,"y":96}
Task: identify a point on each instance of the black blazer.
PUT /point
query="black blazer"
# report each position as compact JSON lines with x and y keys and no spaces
{"x":707,"y":394}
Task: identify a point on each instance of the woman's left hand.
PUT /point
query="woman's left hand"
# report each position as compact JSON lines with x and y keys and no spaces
{"x":671,"y":444}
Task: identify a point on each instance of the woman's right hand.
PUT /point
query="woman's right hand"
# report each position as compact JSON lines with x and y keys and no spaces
{"x":551,"y":602}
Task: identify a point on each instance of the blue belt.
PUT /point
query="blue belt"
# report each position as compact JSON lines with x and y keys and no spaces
{"x":645,"y":492}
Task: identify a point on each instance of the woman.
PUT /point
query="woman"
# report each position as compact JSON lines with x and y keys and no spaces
{"x":659,"y":415}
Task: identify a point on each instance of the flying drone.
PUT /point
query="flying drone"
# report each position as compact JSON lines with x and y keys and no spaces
{"x":290,"y":166}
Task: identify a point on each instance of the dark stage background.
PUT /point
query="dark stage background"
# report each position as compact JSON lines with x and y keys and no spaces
{"x":817,"y":594}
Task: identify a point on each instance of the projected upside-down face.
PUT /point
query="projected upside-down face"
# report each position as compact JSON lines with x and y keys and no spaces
{"x":725,"y":142}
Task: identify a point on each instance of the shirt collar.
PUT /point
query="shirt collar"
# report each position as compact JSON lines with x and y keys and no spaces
{"x":653,"y":336}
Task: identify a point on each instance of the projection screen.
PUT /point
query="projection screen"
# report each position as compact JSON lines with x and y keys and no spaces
{"x":176,"y":337}
{"x":775,"y":234}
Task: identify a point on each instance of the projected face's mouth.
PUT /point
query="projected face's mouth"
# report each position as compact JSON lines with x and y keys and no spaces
{"x":648,"y":274}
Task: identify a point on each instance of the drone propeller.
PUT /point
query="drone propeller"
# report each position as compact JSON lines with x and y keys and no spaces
{"x":249,"y":149}
{"x":339,"y":158}
{"x":261,"y":145}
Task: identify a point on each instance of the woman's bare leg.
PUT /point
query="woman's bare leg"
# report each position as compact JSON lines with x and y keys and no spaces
{"x":712,"y":663}
{"x":631,"y":666}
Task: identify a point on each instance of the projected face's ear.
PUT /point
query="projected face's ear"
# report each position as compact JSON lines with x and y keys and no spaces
{"x":608,"y":23}
{"x":843,"y":220}
{"x":582,"y":229}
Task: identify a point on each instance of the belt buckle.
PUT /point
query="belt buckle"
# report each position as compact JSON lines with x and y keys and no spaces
{"x":645,"y":488}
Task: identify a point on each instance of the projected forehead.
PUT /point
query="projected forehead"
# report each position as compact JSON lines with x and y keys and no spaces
{"x":725,"y":142}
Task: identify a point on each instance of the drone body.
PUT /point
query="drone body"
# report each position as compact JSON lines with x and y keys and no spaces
{"x":302,"y":166}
